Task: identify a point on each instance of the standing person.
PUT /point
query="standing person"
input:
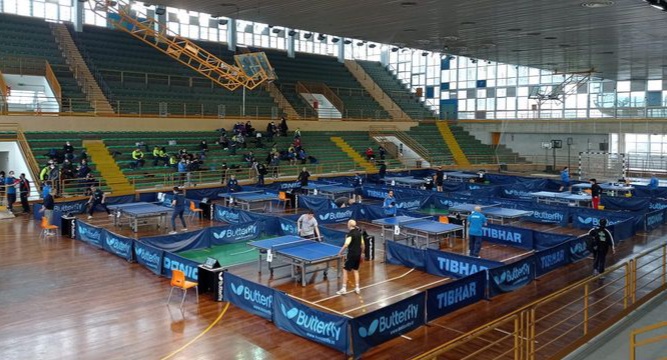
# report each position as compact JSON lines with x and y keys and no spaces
{"x":47,"y":207}
{"x":275,"y":163}
{"x":303,"y":179}
{"x":476,"y":221}
{"x":601,"y":241}
{"x":354,"y":243}
{"x":68,"y":150}
{"x":653,"y":183}
{"x":11,"y":183}
{"x":383,"y":170}
{"x":382,"y":151}
{"x":307,"y":226}
{"x":439,"y":179}
{"x":358,"y":182}
{"x":179,"y":208}
{"x":596,"y":191}
{"x":97,"y":197}
{"x":389,"y":204}
{"x":283,"y":126}
{"x":565,"y":178}
{"x":261,"y":172}
{"x":24,"y":192}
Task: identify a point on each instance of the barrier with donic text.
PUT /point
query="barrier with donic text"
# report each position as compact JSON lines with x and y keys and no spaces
{"x":442,"y":263}
{"x":324,"y":328}
{"x":387,"y":323}
{"x":148,"y":256}
{"x":509,"y":235}
{"x":551,"y":259}
{"x":174,"y":262}
{"x":118,"y":245}
{"x":450,"y":297}
{"x":654,"y":219}
{"x":408,"y":256}
{"x":511,"y":276}
{"x":93,"y":235}
{"x":249,"y":296}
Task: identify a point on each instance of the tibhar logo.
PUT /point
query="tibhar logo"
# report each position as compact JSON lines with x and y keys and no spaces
{"x":238,"y":233}
{"x":552,"y":259}
{"x":549,"y":216}
{"x":147,"y":256}
{"x":119,"y":246}
{"x":459,"y":267}
{"x":336,"y":215}
{"x":512,"y":275}
{"x":457,"y":295}
{"x":376,"y":193}
{"x":327,"y":329}
{"x":395,"y":322}
{"x":504,"y":235}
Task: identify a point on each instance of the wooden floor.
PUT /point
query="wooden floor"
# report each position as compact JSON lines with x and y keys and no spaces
{"x":63,"y":299}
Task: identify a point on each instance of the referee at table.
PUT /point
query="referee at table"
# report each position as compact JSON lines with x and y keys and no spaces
{"x":307,"y":226}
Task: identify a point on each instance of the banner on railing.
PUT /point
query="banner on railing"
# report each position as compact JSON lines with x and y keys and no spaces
{"x":549,"y":214}
{"x":446,"y":264}
{"x":408,"y":256}
{"x":386,"y":323}
{"x":172,"y":261}
{"x":654,"y":219}
{"x":235,"y":233}
{"x":332,"y":216}
{"x":447,"y":298}
{"x":231,"y":215}
{"x":625,"y":203}
{"x":552,"y":258}
{"x":180,"y":242}
{"x":511,"y":276}
{"x":252,"y":297}
{"x":324,"y":328}
{"x":148,"y":256}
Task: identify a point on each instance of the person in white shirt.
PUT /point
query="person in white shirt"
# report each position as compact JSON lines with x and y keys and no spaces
{"x":307,"y":226}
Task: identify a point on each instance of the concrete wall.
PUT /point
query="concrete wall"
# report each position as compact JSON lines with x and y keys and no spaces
{"x":86,"y":123}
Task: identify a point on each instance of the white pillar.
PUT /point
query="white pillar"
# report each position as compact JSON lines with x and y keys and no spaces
{"x":384,"y":56}
{"x":78,"y":15}
{"x":291,"y":41}
{"x":231,"y":35}
{"x":341,"y":50}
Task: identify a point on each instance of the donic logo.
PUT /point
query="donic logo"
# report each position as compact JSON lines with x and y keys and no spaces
{"x":328,"y":330}
{"x":336,"y":215}
{"x":238,"y":233}
{"x":394,"y":322}
{"x":512,"y":275}
{"x":119,"y":246}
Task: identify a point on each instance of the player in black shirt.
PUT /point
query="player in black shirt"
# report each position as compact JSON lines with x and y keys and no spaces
{"x":354,"y":243}
{"x":439,"y":178}
{"x":596,"y":190}
{"x":97,"y":197}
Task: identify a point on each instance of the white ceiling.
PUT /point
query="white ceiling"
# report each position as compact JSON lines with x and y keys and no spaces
{"x":623,"y":41}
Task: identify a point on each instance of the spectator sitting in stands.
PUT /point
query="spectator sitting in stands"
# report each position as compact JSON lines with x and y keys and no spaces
{"x":240,"y":139}
{"x":173,"y":161}
{"x":142,"y":144}
{"x":258,"y":140}
{"x":370,"y":155}
{"x":249,"y":158}
{"x":182,"y":152}
{"x":297,"y":133}
{"x":156,"y":155}
{"x":233,"y":184}
{"x":224,"y":142}
{"x":138,"y":157}
{"x":382,"y":152}
{"x":275,"y":163}
{"x":271,"y":130}
{"x":203,"y":147}
{"x":68,"y":169}
{"x":232,"y":147}
{"x":297,"y":144}
{"x":302,"y":156}
{"x":249,"y":130}
{"x":68,"y":149}
{"x":291,"y":156}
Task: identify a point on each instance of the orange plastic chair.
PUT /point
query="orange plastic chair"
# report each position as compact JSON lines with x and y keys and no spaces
{"x":194,"y":210}
{"x":443,"y":219}
{"x":282,"y":196}
{"x":46,"y":227}
{"x":178,"y":281}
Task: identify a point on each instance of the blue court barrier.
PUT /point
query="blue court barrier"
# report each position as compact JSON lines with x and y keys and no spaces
{"x":92,"y":235}
{"x":180,"y":242}
{"x":171,"y":261}
{"x":548,"y":214}
{"x":315,"y":325}
{"x":118,"y":245}
{"x":235,"y":233}
{"x":446,"y":264}
{"x":543,"y":240}
{"x":511,"y":277}
{"x":252,"y":297}
{"x":577,"y":249}
{"x":552,"y":258}
{"x":408,"y":256}
{"x":444,"y":299}
{"x":625,"y":203}
{"x":148,"y":256}
{"x":654,"y":219}
{"x":201,"y":193}
{"x":386,"y":323}
{"x":508,"y":235}
{"x":315,"y":203}
{"x":335,"y":215}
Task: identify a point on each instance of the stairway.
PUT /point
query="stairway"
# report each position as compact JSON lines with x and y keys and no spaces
{"x":282,"y":102}
{"x":454,"y":147}
{"x":108,"y":167}
{"x":376,"y":91}
{"x":353,"y":154}
{"x":80,"y":70}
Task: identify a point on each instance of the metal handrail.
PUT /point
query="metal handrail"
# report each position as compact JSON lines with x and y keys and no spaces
{"x":379,"y":131}
{"x":634,"y":344}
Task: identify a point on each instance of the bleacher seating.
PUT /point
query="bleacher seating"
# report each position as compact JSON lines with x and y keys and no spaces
{"x":323,"y":69}
{"x":140,"y":77}
{"x":393,"y":87}
{"x":26,"y":37}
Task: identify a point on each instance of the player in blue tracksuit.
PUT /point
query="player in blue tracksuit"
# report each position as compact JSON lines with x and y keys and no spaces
{"x":389,"y":204}
{"x":653,"y":183}
{"x":476,"y":221}
{"x":565,"y":179}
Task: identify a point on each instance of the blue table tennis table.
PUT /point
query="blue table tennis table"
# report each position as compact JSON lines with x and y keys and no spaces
{"x":562,"y":198}
{"x":458,"y":176}
{"x":250,"y":200}
{"x":611,"y":189}
{"x":331,"y":191}
{"x":404,"y":181}
{"x":298,"y":253}
{"x":415,"y":229}
{"x":140,"y":213}
{"x":492,"y":212}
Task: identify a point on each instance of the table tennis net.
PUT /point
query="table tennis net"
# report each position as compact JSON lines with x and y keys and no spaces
{"x":291,"y":244}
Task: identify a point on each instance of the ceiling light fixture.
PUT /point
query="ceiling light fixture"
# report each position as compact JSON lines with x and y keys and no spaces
{"x":408,"y":4}
{"x":597,"y":4}
{"x":291,"y":33}
{"x":394,"y":49}
{"x":307,"y":35}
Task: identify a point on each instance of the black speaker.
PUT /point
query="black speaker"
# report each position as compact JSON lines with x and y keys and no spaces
{"x":604,"y":146}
